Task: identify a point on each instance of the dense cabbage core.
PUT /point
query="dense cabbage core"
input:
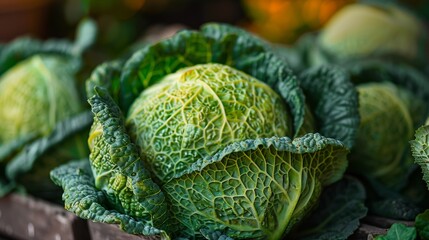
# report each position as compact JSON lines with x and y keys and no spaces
{"x":191,"y":114}
{"x":34,"y":96}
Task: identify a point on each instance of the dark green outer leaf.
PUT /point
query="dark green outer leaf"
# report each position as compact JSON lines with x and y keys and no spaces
{"x":422,"y":225}
{"x":82,"y":198}
{"x":375,"y":70}
{"x":107,"y":76}
{"x":399,"y":231}
{"x":256,"y":188}
{"x":416,"y":189}
{"x":337,"y":216}
{"x":118,"y":170}
{"x":219,"y":31}
{"x":23,"y":48}
{"x":334,"y":100}
{"x":152,"y":63}
{"x":85,"y":35}
{"x":292,"y":56}
{"x":9,"y":149}
{"x":288,"y":88}
{"x":420,"y":151}
{"x":234,"y":46}
{"x":394,"y":208}
{"x":404,"y":203}
{"x":26,"y":159}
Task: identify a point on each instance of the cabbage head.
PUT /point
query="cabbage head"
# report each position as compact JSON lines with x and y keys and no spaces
{"x":49,"y":96}
{"x":391,"y":96}
{"x":382,"y":47}
{"x":208,"y":134}
{"x":393,"y":100}
{"x":42,"y":115}
{"x":379,"y":150}
{"x":363,"y":30}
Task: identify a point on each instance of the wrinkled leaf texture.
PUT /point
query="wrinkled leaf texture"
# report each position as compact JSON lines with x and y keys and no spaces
{"x":420,"y":151}
{"x":306,"y":164}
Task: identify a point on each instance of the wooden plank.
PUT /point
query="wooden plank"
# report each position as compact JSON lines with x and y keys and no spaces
{"x":102,"y":231}
{"x":25,"y":217}
{"x":367,"y":232}
{"x":371,"y":227}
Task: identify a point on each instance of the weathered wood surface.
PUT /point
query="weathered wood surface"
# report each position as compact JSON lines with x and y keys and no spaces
{"x":371,"y":227}
{"x":102,"y":231}
{"x":24,"y":217}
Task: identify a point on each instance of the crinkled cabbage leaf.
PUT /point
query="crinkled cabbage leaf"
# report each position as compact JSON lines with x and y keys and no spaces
{"x":251,"y":188}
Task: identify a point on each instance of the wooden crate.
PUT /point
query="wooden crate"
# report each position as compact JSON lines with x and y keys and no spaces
{"x":371,"y":226}
{"x":25,"y":217}
{"x":102,"y":231}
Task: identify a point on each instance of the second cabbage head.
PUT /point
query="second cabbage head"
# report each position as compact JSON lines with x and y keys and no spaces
{"x":210,"y":133}
{"x":41,"y":114}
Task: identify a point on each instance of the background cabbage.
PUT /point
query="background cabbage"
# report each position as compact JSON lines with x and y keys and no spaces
{"x":379,"y":149}
{"x":382,"y":156}
{"x":256,"y":184}
{"x":49,"y":96}
{"x":381,"y":47}
{"x":42,"y":115}
{"x":362,"y":30}
{"x":365,"y":30}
